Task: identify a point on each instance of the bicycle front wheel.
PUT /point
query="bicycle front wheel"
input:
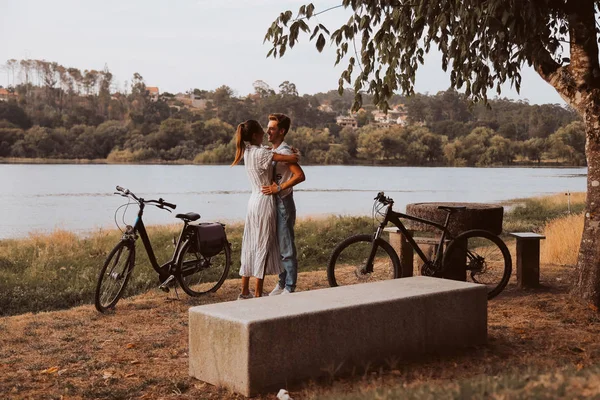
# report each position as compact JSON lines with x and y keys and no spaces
{"x":114,"y":276}
{"x":485,"y":256}
{"x":198,"y":274}
{"x":348,"y":264}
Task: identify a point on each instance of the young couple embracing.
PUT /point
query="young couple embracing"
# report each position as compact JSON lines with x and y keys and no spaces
{"x":268,"y":245}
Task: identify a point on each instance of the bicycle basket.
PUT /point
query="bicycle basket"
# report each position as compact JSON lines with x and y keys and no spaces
{"x":210,"y":238}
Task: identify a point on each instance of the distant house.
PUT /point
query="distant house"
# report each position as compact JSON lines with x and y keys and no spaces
{"x":402,"y":120}
{"x":346,"y":122}
{"x":199,"y":103}
{"x":191,"y":101}
{"x":395,"y":115}
{"x":325,"y":108}
{"x":380,"y":117}
{"x":5,"y":95}
{"x":152,"y":92}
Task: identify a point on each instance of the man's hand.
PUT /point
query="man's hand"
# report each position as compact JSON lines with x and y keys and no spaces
{"x":271,"y":189}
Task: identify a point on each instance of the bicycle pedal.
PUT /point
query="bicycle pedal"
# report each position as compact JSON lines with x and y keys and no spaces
{"x":165,"y":285}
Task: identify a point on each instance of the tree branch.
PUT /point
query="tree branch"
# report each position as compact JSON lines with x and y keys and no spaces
{"x":319,"y":13}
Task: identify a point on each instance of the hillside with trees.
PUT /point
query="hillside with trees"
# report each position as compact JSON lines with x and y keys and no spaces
{"x":54,"y":112}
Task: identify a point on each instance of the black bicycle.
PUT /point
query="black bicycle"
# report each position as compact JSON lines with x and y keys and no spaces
{"x":364,"y":258}
{"x":200,"y":261}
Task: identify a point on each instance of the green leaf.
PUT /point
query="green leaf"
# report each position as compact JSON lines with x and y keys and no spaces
{"x":303,"y":25}
{"x":324,"y":28}
{"x":320,"y":42}
{"x":314,"y":32}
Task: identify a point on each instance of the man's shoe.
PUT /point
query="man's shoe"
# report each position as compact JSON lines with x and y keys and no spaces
{"x":278,"y":290}
{"x":245,"y":296}
{"x":286,"y":291}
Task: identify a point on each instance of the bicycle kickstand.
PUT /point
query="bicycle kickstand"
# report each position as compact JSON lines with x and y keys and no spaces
{"x":165,"y":287}
{"x":176,"y":298}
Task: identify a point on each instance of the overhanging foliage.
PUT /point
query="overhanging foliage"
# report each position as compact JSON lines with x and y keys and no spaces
{"x":483,"y":43}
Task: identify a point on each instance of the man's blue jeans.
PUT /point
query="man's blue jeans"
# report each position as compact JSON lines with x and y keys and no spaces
{"x":286,"y":219}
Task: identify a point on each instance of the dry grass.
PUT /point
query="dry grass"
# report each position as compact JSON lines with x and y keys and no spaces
{"x":533,"y":213}
{"x":140,"y":351}
{"x":563,"y":238}
{"x":561,"y":199}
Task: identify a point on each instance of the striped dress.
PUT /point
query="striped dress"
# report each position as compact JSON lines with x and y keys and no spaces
{"x":259,"y":243}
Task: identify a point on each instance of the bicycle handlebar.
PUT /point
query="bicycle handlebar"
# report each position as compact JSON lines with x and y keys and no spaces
{"x":382,"y":199}
{"x":161,"y":203}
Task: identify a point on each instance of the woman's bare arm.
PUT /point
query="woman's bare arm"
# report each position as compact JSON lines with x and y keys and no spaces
{"x":292,"y":158}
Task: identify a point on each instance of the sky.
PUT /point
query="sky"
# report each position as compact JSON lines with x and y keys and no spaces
{"x":178,"y":45}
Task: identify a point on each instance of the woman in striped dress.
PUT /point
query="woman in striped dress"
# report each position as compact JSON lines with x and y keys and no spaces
{"x":260,"y":250}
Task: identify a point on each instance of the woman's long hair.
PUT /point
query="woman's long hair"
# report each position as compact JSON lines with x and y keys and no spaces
{"x":244,"y":133}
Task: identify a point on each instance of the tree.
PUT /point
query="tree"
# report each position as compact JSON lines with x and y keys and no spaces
{"x":533,"y":149}
{"x":483,"y":44}
{"x":362,"y":117}
{"x":11,"y":112}
{"x":568,"y":143}
{"x":262,"y":89}
{"x":288,"y":88}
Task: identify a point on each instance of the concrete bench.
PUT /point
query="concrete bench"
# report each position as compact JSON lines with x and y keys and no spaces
{"x":263,"y":344}
{"x":528,"y":258}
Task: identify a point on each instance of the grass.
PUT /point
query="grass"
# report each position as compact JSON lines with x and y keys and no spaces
{"x":59,"y":270}
{"x":567,"y":382}
{"x":563,"y":238}
{"x":532,"y":214}
{"x":549,"y":215}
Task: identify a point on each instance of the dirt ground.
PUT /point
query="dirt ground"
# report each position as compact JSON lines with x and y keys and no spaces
{"x":140,"y":351}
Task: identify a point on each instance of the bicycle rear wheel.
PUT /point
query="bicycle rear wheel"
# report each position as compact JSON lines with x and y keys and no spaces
{"x":486,"y":257}
{"x":348,"y":262}
{"x":114,"y":276}
{"x":198,"y":274}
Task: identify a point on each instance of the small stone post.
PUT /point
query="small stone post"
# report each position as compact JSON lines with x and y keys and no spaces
{"x":403,"y":249}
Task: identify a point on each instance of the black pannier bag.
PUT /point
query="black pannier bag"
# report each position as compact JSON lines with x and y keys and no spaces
{"x":211,"y":238}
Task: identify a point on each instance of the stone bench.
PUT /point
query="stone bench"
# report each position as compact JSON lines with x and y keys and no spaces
{"x":528,"y":258}
{"x":263,"y":344}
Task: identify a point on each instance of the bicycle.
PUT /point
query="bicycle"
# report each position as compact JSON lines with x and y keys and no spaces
{"x":364,"y":258}
{"x":200,"y":262}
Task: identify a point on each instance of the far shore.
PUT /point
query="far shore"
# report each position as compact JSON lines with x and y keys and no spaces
{"x":104,"y":161}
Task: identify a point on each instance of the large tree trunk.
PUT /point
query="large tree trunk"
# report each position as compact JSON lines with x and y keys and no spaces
{"x":578,"y":83}
{"x":587,"y":286}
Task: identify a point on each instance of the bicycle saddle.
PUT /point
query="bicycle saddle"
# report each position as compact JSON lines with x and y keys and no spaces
{"x":451,"y":209}
{"x":191,"y":216}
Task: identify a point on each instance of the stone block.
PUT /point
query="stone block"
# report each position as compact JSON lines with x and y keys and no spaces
{"x":263,"y":344}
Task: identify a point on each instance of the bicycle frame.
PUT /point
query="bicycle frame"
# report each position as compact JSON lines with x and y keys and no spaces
{"x":140,"y":229}
{"x":394,"y":217}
